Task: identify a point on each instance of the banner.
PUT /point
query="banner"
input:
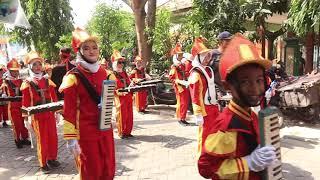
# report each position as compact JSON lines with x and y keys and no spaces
{"x":12,"y":13}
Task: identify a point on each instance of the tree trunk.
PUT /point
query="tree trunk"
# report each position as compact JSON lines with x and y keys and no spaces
{"x":144,"y":21}
{"x":309,"y":51}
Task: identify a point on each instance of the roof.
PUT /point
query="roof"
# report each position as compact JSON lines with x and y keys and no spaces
{"x":177,"y":5}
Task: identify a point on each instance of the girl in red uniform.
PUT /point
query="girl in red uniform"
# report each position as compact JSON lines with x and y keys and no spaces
{"x":37,"y":90}
{"x":11,"y":87}
{"x":138,"y":74}
{"x":92,"y":148}
{"x":123,"y":100}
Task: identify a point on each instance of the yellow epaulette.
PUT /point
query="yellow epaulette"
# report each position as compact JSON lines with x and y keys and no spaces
{"x":25,"y":84}
{"x":51,"y":83}
{"x":68,"y":81}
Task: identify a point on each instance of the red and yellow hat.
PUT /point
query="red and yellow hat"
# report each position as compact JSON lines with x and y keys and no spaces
{"x":13,"y":65}
{"x":177,"y":49}
{"x":138,"y":58}
{"x":80,"y":36}
{"x":198,"y":47}
{"x":239,"y":52}
{"x":33,"y":56}
{"x":116,"y":56}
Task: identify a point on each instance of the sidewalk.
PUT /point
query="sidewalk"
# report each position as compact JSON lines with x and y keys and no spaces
{"x":161,"y":150}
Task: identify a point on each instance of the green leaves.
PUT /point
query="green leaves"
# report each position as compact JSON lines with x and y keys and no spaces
{"x":49,"y":19}
{"x":304,"y":15}
{"x":114,"y":27}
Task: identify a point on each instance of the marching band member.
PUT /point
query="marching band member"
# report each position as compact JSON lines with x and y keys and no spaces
{"x":3,"y":105}
{"x":202,"y":90}
{"x":231,"y":149}
{"x":177,"y":75}
{"x":92,"y":148}
{"x":37,"y":90}
{"x":137,"y":75}
{"x":123,"y":100}
{"x":11,"y":87}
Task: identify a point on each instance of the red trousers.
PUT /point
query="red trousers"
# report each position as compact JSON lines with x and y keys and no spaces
{"x":183,"y":100}
{"x":44,"y":126}
{"x":3,"y":112}
{"x":212,"y":113}
{"x":19,"y":130}
{"x":141,"y":98}
{"x":97,"y":158}
{"x":124,"y":114}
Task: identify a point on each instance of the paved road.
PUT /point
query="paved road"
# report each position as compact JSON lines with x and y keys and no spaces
{"x":161,"y":150}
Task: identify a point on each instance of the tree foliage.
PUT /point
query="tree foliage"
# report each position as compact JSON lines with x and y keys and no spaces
{"x":49,"y":19}
{"x":161,"y":41}
{"x":216,"y":16}
{"x":304,"y":15}
{"x":114,"y":27}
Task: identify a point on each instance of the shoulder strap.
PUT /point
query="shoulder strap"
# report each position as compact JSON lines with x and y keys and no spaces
{"x":35,"y":86}
{"x":92,"y":92}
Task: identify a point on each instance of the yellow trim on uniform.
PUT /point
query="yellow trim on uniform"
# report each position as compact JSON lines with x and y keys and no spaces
{"x":194,"y":78}
{"x":68,"y":81}
{"x":221,"y":143}
{"x":69,"y":130}
{"x":233,"y":169}
{"x":118,"y":115}
{"x":239,"y":111}
{"x":24,"y":85}
{"x":51,"y":83}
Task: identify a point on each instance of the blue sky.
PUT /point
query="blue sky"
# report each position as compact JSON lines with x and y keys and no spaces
{"x":82,"y":9}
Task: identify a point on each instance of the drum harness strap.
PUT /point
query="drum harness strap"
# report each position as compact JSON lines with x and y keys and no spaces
{"x":87,"y":85}
{"x":40,"y":92}
{"x":16,"y":90}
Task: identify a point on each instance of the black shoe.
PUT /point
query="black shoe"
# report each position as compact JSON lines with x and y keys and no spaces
{"x":26,"y":142}
{"x":185,"y":122}
{"x":130,"y":136}
{"x":4,"y":124}
{"x":182,"y":123}
{"x":123,"y":137}
{"x":45,"y":169}
{"x":53,"y":163}
{"x":19,"y":144}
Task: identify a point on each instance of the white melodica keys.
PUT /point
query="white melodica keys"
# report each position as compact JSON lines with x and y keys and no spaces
{"x":107,"y":98}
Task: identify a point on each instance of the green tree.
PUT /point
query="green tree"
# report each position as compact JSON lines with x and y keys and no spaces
{"x":162,"y":44}
{"x":49,"y":19}
{"x":303,"y":17}
{"x":213,"y":17}
{"x":260,"y":10}
{"x":114,"y":27}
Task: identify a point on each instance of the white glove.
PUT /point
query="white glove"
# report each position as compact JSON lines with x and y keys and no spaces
{"x":261,"y":158}
{"x":148,"y":77}
{"x":4,"y":95}
{"x":73,"y":146}
{"x":198,"y":119}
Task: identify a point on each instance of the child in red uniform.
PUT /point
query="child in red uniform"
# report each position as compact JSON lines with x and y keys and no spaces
{"x":11,"y":87}
{"x":37,"y":90}
{"x":138,"y":74}
{"x":123,"y":100}
{"x":3,"y":105}
{"x":178,"y":76}
{"x":202,"y":90}
{"x":92,"y":148}
{"x":231,"y":149}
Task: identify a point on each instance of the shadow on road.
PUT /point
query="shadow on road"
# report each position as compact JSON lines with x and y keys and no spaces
{"x":293,"y":172}
{"x":291,"y":141}
{"x":169,"y":141}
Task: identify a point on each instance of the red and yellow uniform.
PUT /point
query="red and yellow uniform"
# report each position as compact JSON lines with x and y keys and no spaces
{"x":188,"y":67}
{"x":3,"y":105}
{"x":140,"y":97}
{"x":81,"y":122}
{"x":123,"y":101}
{"x":233,"y":135}
{"x":36,"y":92}
{"x":12,"y":88}
{"x":199,"y":84}
{"x":198,"y":87}
{"x":176,"y":74}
